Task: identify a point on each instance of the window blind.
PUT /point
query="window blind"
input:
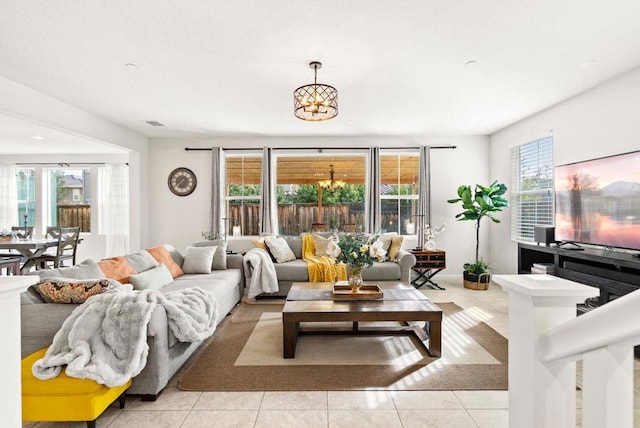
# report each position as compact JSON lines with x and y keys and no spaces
{"x":531,"y":187}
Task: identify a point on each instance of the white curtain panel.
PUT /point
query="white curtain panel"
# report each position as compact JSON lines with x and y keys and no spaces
{"x":373,"y":209}
{"x":424,"y":193}
{"x":9,"y":196}
{"x":268,"y":198}
{"x":114,"y":207}
{"x":216,"y":190}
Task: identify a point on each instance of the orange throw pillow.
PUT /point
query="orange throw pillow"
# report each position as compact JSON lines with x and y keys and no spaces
{"x":162,"y":256}
{"x":117,"y":268}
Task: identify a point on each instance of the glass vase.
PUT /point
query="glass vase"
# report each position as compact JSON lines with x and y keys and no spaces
{"x":354,"y":273}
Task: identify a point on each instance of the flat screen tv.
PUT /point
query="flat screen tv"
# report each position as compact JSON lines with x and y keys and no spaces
{"x":598,"y":201}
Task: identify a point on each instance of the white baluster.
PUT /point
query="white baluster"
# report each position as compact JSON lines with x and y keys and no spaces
{"x":607,"y":393}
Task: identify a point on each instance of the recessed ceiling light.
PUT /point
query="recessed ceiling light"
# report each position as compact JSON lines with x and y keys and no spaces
{"x":37,"y":137}
{"x":131,"y":66}
{"x":471,"y":63}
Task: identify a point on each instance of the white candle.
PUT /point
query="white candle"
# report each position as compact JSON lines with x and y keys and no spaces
{"x":237,"y":231}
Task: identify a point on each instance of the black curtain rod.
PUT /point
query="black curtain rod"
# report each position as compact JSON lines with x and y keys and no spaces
{"x":195,"y":149}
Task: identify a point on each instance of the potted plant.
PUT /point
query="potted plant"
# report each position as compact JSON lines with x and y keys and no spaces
{"x":477,"y":203}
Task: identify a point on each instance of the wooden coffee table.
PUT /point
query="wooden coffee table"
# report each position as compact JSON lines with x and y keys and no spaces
{"x":311,"y":302}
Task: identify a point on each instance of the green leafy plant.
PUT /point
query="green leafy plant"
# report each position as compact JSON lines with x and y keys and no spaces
{"x":478,"y":267}
{"x":477,"y":203}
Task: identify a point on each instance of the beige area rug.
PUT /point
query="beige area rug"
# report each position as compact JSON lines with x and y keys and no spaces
{"x":246,"y":355}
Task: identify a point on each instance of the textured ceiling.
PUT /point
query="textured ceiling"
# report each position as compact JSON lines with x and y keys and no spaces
{"x":211,"y":68}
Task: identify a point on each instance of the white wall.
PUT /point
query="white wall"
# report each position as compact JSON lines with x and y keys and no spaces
{"x":601,"y":122}
{"x":181,"y":220}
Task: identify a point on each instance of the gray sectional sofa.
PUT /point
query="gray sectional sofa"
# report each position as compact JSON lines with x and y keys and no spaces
{"x":41,"y":321}
{"x":296,"y":270}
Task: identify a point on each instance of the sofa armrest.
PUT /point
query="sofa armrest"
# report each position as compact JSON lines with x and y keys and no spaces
{"x":39,"y":322}
{"x":234,"y":261}
{"x":155,"y":375}
{"x":406,"y":260}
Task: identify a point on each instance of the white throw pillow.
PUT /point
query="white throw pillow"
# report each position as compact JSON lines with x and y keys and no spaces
{"x":321,"y":243}
{"x":279,"y":249}
{"x":198,"y":259}
{"x":220,"y":256}
{"x":152,"y":279}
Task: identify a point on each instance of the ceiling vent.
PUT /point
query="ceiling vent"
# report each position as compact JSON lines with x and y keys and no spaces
{"x":154,"y":123}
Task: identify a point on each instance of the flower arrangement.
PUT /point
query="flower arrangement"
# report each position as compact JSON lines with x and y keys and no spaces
{"x":431,"y":233}
{"x":356,"y":250}
{"x":210,"y":236}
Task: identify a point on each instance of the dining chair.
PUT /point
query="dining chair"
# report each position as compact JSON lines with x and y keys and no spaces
{"x":11,"y":264}
{"x":22,"y":232}
{"x":66,"y":249}
{"x":52,"y":232}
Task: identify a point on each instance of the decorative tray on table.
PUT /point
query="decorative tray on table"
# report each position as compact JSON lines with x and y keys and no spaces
{"x":366,"y":292}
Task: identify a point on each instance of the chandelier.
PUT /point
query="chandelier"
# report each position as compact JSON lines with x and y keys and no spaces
{"x":317,"y":101}
{"x":331,"y":185}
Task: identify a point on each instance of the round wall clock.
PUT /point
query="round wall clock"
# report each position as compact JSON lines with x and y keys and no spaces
{"x":182,"y":181}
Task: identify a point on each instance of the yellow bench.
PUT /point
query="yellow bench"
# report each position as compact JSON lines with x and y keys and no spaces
{"x":65,"y":398}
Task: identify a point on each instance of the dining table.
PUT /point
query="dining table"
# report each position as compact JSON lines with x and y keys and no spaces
{"x":30,"y":249}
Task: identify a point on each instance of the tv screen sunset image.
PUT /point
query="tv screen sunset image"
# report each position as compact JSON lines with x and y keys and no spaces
{"x":598,"y":201}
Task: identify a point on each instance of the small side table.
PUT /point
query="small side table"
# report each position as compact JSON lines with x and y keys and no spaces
{"x":428,"y":264}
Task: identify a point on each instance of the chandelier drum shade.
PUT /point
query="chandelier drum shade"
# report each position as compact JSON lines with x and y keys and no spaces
{"x":331,"y":185}
{"x":316,"y":101}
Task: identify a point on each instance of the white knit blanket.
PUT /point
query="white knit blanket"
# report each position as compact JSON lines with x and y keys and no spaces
{"x":105,"y":338}
{"x":263,"y":274}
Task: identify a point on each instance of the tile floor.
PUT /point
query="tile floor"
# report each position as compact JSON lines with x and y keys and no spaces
{"x":335,"y":409}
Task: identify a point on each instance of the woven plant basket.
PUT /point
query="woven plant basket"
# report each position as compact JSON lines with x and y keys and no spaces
{"x":476,"y":282}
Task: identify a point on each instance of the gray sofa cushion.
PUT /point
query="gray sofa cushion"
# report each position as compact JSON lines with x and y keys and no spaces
{"x":295,"y":270}
{"x":385,"y":271}
{"x":88,"y":269}
{"x":232,"y":276}
{"x":30,"y":296}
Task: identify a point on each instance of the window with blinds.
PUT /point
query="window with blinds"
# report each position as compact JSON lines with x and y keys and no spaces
{"x":531,"y":187}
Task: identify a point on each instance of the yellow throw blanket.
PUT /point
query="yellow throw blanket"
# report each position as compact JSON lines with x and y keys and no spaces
{"x":321,"y":268}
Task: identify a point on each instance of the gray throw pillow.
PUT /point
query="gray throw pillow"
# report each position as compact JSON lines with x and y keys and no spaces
{"x":198,"y":259}
{"x":220,"y":256}
{"x":141,"y":261}
{"x":175,"y":254}
{"x":152,"y":279}
{"x":295,"y":243}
